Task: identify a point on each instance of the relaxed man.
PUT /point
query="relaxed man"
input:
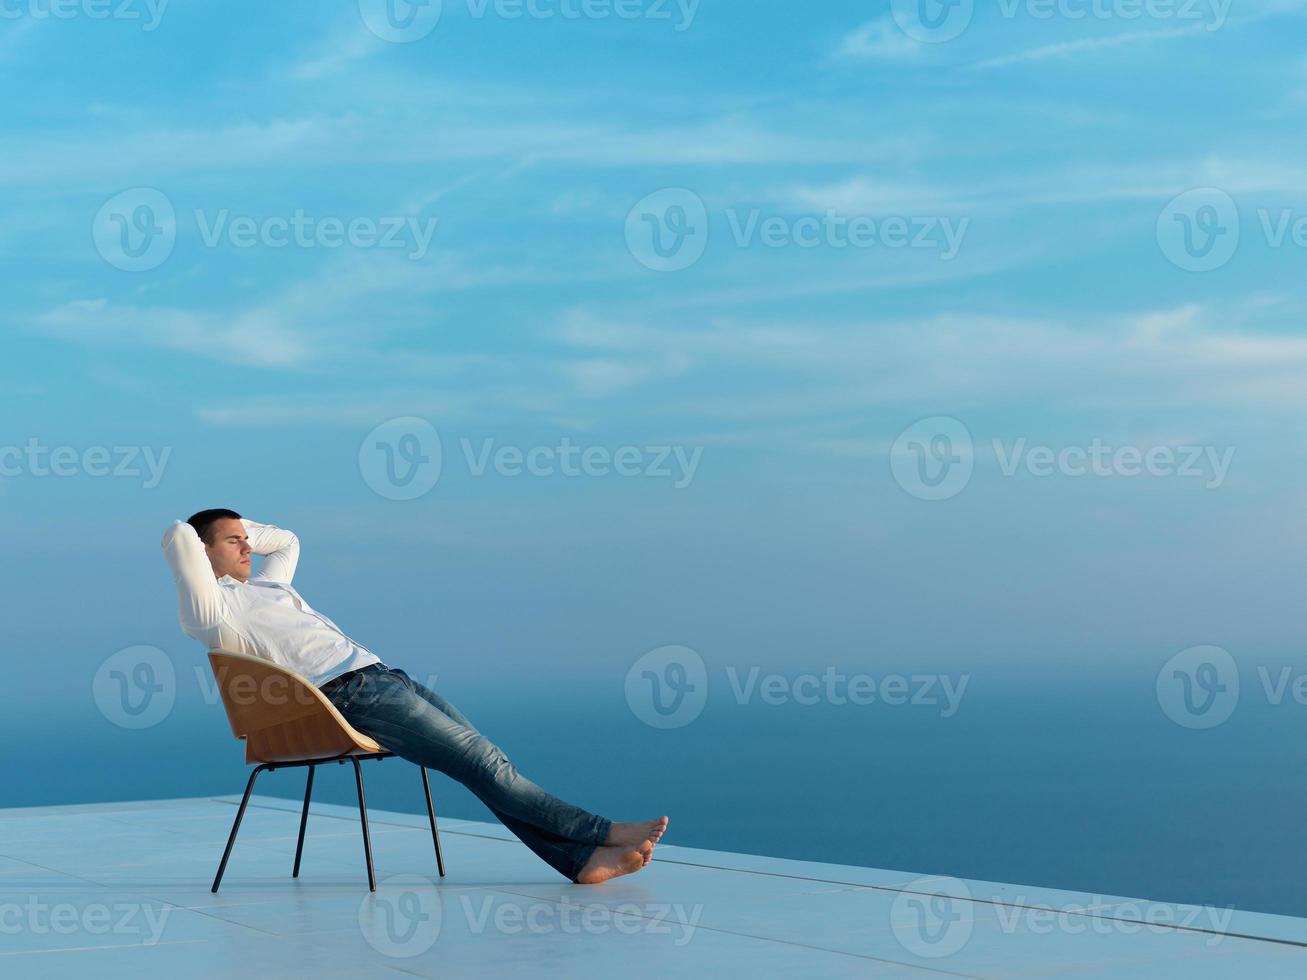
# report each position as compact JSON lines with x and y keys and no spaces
{"x":226,"y":608}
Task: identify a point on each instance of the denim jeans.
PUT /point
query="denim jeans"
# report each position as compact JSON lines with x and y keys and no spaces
{"x":417,"y":724}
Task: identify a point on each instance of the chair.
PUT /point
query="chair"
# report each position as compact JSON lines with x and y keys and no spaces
{"x":286,"y":722}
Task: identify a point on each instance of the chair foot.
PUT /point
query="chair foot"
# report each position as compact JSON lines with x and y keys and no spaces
{"x":236,"y":825}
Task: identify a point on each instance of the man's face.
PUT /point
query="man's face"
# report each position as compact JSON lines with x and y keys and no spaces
{"x":230,"y":552}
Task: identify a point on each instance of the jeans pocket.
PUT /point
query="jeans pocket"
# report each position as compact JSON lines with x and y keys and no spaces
{"x":346,"y":695}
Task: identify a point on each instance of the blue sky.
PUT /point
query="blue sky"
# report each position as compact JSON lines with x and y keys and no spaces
{"x":1052,"y":146}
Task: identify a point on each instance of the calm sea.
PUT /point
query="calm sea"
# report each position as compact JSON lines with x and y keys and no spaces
{"x":1068,"y":783}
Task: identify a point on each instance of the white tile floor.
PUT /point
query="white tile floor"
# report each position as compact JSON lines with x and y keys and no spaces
{"x":122,"y":889}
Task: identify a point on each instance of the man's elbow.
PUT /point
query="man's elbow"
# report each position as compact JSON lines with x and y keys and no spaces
{"x":173,"y":531}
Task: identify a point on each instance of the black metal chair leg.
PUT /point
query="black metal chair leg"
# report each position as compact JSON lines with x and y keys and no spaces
{"x":363,"y":818}
{"x":431,"y":812}
{"x":304,"y":814}
{"x":231,"y":839}
{"x":304,"y":820}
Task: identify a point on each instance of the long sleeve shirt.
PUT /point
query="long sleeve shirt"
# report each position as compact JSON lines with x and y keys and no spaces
{"x":263,"y":617}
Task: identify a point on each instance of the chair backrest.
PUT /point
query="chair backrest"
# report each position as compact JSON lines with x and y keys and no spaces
{"x":280,"y":715}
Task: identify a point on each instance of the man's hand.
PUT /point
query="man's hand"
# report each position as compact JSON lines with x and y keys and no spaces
{"x":280,"y":548}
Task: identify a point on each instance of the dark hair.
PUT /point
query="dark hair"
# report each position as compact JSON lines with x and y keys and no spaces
{"x":203,"y":521}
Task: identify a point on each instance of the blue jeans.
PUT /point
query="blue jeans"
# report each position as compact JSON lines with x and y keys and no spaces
{"x":417,"y":724}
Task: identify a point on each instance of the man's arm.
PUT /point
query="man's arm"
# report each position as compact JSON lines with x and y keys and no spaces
{"x":198,"y":600}
{"x":280,"y":548}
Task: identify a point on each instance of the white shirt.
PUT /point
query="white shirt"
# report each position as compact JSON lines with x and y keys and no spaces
{"x":263,"y":617}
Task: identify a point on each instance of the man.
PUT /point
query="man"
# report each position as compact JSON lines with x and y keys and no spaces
{"x":226,"y":608}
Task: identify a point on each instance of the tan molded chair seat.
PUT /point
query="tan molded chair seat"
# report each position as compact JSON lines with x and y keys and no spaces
{"x":282,"y":716}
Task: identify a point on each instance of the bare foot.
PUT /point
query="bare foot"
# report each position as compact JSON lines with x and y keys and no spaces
{"x":613,"y":862}
{"x":633,"y":834}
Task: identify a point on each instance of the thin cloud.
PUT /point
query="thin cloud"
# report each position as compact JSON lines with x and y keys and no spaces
{"x":1067,"y":49}
{"x":338,"y":52}
{"x":877,"y":40}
